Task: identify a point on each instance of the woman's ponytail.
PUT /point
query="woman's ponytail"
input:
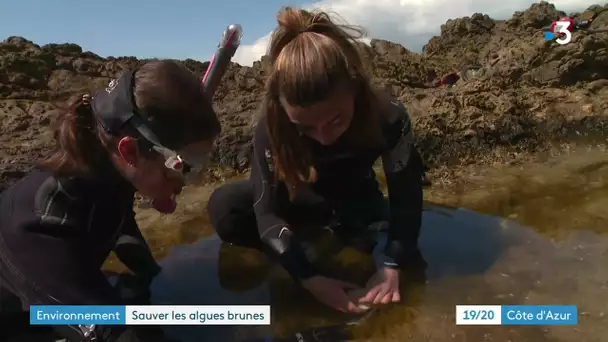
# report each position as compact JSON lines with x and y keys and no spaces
{"x":79,"y":148}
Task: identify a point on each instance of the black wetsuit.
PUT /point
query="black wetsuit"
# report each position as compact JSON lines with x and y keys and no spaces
{"x":257,"y":212}
{"x":55,"y":234}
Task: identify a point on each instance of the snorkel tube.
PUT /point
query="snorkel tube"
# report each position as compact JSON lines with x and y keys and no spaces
{"x":226,"y":48}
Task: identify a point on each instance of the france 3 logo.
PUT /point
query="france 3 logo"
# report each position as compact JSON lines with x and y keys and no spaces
{"x":561,"y":31}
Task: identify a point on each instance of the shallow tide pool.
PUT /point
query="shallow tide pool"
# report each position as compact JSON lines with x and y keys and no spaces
{"x":533,"y":234}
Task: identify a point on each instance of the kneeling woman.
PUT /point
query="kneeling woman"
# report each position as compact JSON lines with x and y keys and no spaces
{"x":322,"y":129}
{"x":59,"y":223}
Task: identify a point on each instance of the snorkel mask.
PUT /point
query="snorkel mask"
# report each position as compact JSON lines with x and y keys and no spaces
{"x":115,"y":107}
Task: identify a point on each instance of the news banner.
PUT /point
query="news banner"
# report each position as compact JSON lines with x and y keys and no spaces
{"x":260,"y":315}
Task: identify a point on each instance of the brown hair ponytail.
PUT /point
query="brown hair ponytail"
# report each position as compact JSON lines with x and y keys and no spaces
{"x":81,"y":144}
{"x":310,"y":56}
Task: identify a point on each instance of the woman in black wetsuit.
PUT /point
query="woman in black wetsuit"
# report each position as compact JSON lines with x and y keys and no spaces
{"x":147,"y":131}
{"x":322,"y":129}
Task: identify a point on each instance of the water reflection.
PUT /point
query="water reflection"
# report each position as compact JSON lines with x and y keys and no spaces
{"x":459,"y":242}
{"x":191,"y":276}
{"x":472,"y":259}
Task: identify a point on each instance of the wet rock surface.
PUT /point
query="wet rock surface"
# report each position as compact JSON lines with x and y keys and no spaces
{"x":528,"y":91}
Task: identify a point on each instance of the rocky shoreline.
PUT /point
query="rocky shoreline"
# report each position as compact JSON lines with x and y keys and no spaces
{"x":526,"y":93}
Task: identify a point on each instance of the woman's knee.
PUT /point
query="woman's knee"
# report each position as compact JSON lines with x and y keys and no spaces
{"x":229,"y":206}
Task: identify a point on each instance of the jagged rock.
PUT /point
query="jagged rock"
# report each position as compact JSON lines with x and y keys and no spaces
{"x":527,"y":89}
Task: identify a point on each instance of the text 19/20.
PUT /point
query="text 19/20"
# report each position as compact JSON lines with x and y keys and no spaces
{"x":478,"y":314}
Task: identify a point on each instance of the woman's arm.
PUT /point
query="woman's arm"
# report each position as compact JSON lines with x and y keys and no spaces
{"x":403,"y":174}
{"x":54,"y":272}
{"x":133,"y":251}
{"x":273,"y":230}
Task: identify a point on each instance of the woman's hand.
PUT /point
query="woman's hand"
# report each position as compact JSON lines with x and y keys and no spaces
{"x":382,"y":288}
{"x":332,"y":292}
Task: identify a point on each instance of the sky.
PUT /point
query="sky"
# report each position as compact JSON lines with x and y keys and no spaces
{"x":191,"y":28}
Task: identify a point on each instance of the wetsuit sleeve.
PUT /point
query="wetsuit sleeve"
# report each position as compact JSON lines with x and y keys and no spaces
{"x":58,"y":227}
{"x":133,"y":251}
{"x":273,"y":230}
{"x":68,"y":277}
{"x":404,"y":181}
